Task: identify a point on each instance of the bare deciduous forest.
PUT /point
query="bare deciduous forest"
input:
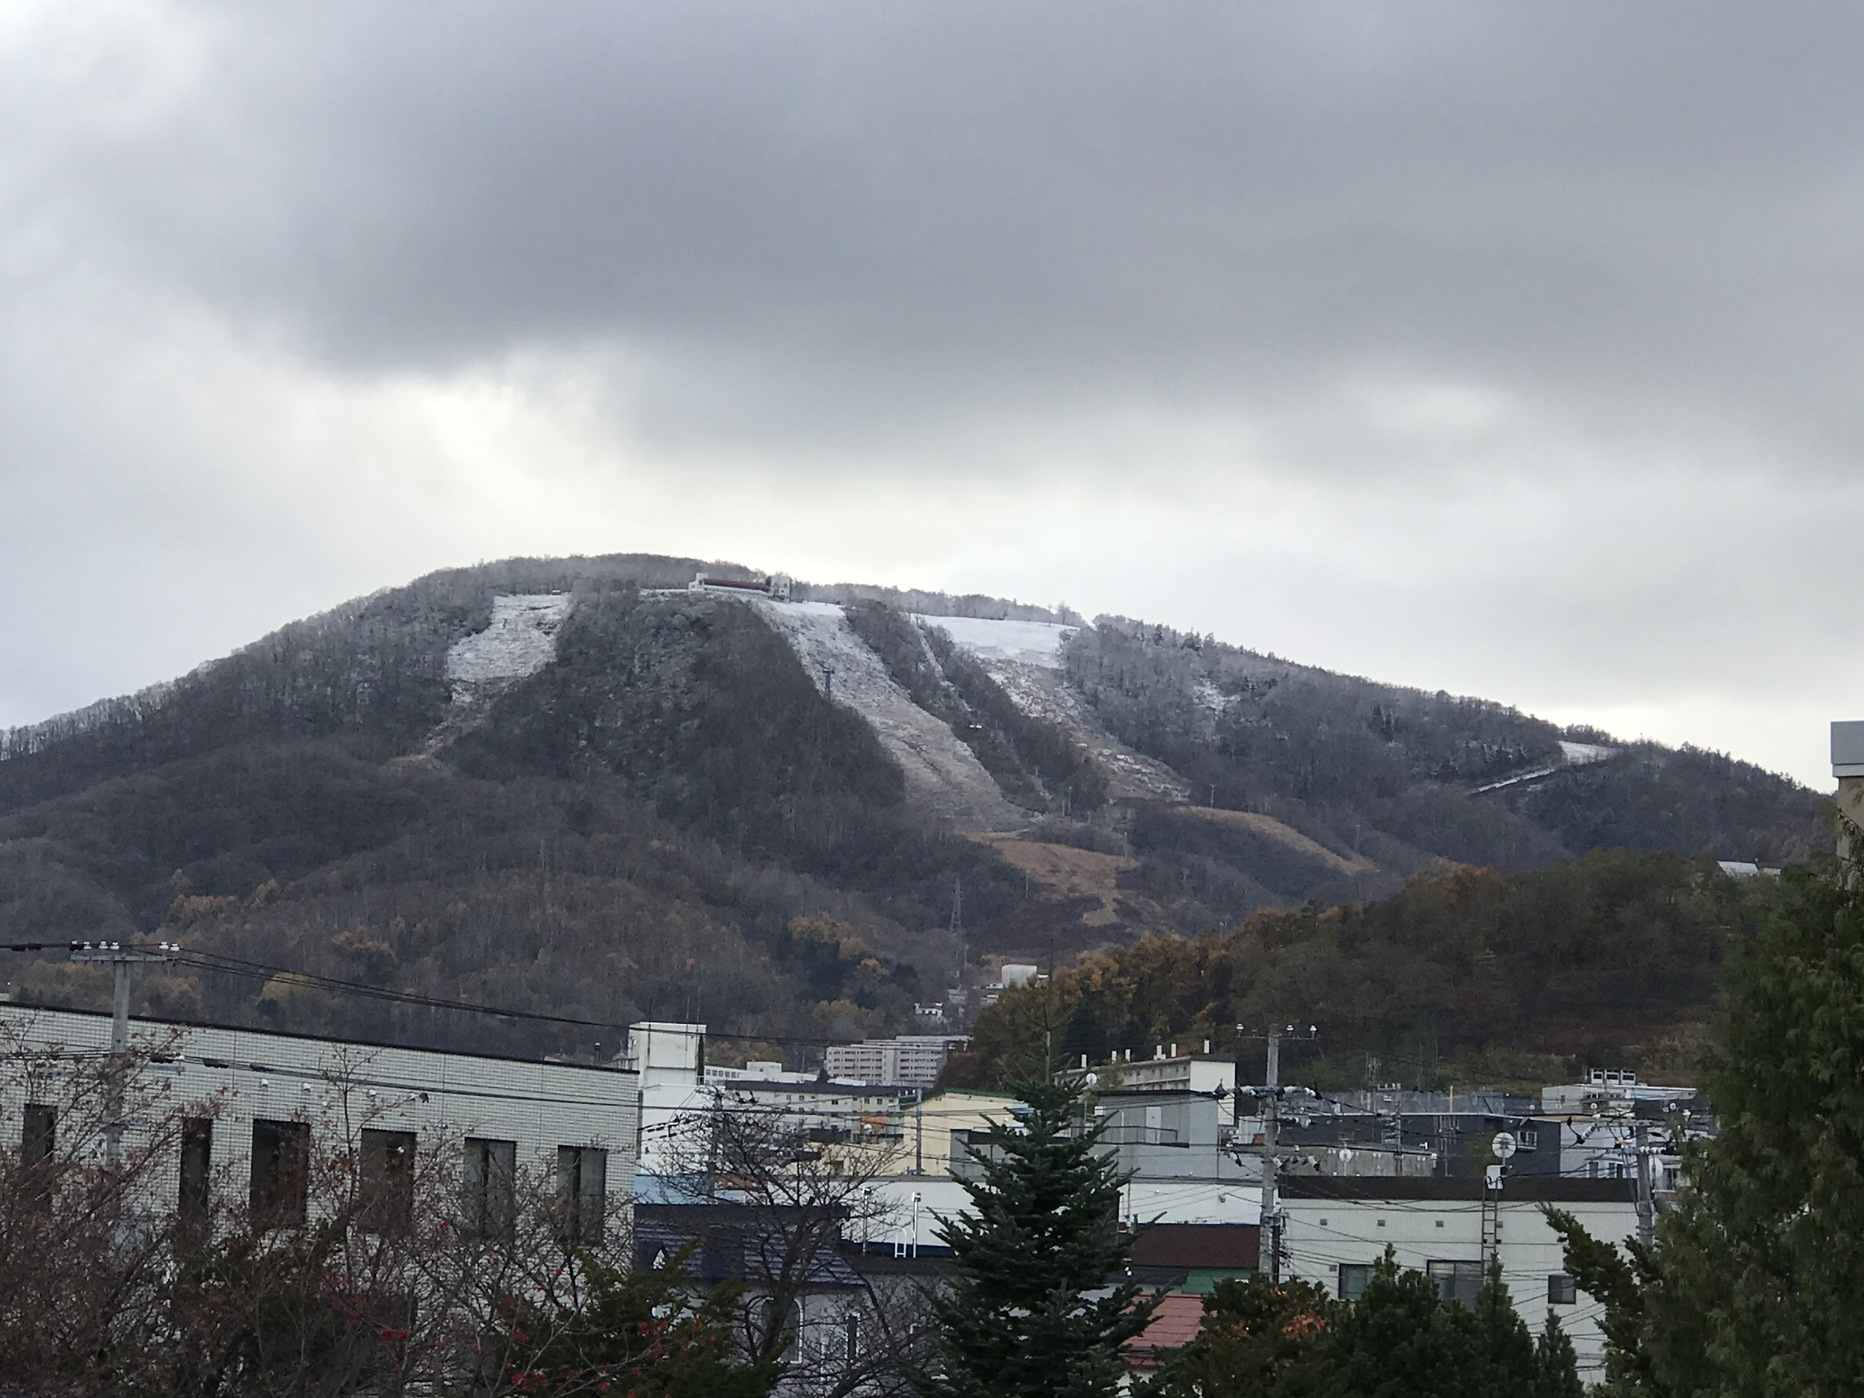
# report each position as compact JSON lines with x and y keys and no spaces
{"x":672,"y":820}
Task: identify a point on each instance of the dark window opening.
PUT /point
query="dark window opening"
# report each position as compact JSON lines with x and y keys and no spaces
{"x":193,"y":1201}
{"x":1353,"y":1279}
{"x":281,"y":1165}
{"x":851,"y":1335}
{"x":489,"y":1202}
{"x":1457,"y":1282}
{"x":582,"y":1193}
{"x":1562,"y":1290}
{"x":38,"y":1143}
{"x":39,"y":1137}
{"x":387,"y":1180}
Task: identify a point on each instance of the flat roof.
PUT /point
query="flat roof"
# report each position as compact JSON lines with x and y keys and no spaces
{"x":1522,"y":1188}
{"x":134,"y":1020}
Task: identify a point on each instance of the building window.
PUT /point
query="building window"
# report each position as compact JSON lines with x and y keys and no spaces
{"x":1353,"y":1279}
{"x":38,"y":1141}
{"x":194,"y":1199}
{"x":1528,"y":1138}
{"x":851,"y":1336}
{"x":387,"y":1180}
{"x":39,"y":1136}
{"x":582,"y":1193}
{"x":1562,"y":1290}
{"x":489,"y":1189}
{"x":281,"y":1167}
{"x":1457,"y":1282}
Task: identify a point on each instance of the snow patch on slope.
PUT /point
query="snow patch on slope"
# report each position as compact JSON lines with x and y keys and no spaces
{"x":1024,"y":658}
{"x":1578,"y":754}
{"x":1028,"y":642}
{"x":520,"y":641}
{"x":942,"y":774}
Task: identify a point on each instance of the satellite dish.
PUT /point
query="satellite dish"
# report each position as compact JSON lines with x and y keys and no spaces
{"x":1504,"y":1145}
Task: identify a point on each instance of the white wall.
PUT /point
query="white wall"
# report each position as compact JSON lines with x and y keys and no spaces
{"x":1320,"y":1234}
{"x":338,"y":1086}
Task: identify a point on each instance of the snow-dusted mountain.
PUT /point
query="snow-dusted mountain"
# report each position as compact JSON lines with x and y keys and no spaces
{"x":584,"y":783}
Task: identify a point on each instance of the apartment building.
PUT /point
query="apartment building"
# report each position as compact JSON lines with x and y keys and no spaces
{"x":257,"y":1110}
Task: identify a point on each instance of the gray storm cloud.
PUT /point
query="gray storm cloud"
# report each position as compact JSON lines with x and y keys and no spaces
{"x":1507,"y":348}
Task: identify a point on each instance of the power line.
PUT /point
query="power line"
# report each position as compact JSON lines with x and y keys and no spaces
{"x":259,"y":970}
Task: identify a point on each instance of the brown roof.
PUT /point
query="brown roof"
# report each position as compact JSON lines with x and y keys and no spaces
{"x":1235,"y":1246}
{"x":1174,"y":1324}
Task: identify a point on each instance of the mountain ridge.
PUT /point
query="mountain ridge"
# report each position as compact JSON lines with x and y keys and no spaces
{"x":410,"y":768}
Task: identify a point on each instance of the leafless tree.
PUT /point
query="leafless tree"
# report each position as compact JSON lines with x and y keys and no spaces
{"x":775,"y":1198}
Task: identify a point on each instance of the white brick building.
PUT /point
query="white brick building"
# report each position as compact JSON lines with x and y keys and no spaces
{"x":258,"y":1105}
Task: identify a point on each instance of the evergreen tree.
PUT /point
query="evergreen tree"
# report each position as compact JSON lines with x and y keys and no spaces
{"x":1040,"y":1306}
{"x":1617,"y":1280}
{"x":1753,"y":1284}
{"x":639,"y":1332}
{"x":1556,"y":1366}
{"x":1399,"y":1340}
{"x":1505,"y":1361}
{"x":1761,"y":1266}
{"x":1259,"y":1340}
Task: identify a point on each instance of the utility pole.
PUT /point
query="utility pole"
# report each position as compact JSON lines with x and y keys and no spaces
{"x":1270,"y":1212}
{"x":1646,"y":1206}
{"x":122,"y":960}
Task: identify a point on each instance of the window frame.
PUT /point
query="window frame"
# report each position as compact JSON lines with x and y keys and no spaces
{"x":1454,"y":1276}
{"x":385,"y":1193}
{"x":488,"y":1186}
{"x":194,"y":1172}
{"x":281,"y":1196}
{"x":582,"y":1194}
{"x":1361,"y":1277}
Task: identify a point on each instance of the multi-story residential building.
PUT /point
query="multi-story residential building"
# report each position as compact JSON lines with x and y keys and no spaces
{"x":679,"y":1088}
{"x":909,"y":1061}
{"x":257,"y":1109}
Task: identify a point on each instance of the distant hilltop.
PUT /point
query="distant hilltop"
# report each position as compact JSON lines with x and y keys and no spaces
{"x":634,"y":785}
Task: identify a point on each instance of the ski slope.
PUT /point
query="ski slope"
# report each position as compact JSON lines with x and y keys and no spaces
{"x":1025,"y":642}
{"x":520,"y":641}
{"x":942,"y":774}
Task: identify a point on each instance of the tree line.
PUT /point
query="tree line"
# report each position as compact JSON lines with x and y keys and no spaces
{"x":1465,"y":971}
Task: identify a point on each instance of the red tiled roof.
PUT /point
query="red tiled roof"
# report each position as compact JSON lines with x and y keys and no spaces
{"x":1174,"y":1324}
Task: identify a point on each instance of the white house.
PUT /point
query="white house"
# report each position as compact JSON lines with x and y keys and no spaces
{"x":1335,"y":1230}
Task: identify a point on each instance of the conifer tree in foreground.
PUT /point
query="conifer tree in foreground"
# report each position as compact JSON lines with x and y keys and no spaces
{"x":1040,"y":1304}
{"x":1754,"y":1283}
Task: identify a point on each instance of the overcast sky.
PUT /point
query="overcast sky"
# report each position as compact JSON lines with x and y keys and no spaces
{"x":1516,"y":350}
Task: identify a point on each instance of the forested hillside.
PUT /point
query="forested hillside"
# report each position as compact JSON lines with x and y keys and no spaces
{"x":575,"y":786}
{"x":1467,"y":975}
